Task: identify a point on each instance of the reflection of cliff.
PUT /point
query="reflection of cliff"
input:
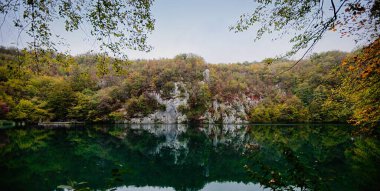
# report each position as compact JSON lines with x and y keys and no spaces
{"x":308,"y":157}
{"x":189,"y":154}
{"x":233,"y":135}
{"x":171,"y":130}
{"x":175,"y":138}
{"x":171,"y":134}
{"x":214,"y":186}
{"x":138,"y":156}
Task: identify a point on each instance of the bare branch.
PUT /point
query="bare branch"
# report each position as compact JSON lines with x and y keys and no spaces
{"x":335,"y":12}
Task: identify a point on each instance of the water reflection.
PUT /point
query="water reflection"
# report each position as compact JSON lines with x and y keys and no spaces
{"x":183,"y":157}
{"x":172,"y":139}
{"x":212,"y":186}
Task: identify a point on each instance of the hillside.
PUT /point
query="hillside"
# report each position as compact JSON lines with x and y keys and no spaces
{"x":96,"y":88}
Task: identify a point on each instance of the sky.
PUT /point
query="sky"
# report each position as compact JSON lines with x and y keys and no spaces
{"x":197,"y":26}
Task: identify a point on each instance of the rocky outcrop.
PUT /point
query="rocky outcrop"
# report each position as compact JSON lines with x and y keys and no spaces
{"x":233,"y":112}
{"x":206,"y":75}
{"x":171,"y":114}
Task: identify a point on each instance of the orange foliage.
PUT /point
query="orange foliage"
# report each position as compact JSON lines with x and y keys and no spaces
{"x":362,"y":83}
{"x":367,"y":62}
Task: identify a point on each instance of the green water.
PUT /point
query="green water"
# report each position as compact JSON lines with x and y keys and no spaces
{"x":181,"y":157}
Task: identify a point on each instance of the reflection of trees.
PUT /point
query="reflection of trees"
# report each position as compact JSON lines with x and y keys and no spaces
{"x":24,"y":140}
{"x":115,"y":156}
{"x":183,"y":158}
{"x":174,"y":139}
{"x":364,"y":158}
{"x":232,"y":135}
{"x":305,"y":157}
{"x":186,"y":158}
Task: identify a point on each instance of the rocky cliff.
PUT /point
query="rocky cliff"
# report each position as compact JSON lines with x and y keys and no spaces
{"x":231,"y":112}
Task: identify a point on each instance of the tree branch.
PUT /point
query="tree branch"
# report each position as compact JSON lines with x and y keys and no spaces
{"x":318,"y":37}
{"x":333,"y":6}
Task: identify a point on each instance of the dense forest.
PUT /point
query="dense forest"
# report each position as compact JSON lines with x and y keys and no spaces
{"x":326,"y":87}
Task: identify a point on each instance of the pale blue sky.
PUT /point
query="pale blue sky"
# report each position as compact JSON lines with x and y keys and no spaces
{"x":200,"y":27}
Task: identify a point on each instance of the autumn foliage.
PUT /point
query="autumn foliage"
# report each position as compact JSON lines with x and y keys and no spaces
{"x":327,"y":87}
{"x":362,"y":85}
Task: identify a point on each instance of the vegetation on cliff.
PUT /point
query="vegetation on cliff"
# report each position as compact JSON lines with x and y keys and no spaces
{"x":97,"y":88}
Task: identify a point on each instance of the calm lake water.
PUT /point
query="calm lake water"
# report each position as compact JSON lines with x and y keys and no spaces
{"x":182,"y":157}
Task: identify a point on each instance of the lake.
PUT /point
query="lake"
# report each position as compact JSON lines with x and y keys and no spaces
{"x":188,"y":157}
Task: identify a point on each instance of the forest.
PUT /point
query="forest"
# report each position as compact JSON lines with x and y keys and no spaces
{"x":329,"y":87}
{"x":189,"y":95}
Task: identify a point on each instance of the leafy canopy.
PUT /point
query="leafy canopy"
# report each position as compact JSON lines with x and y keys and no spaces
{"x":308,"y":20}
{"x":115,"y":24}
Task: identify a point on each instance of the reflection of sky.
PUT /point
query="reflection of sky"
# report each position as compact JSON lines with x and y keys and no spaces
{"x":144,"y":188}
{"x":212,"y":186}
{"x":196,"y":26}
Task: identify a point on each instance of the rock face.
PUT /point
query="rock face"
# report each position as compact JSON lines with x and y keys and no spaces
{"x":233,"y":112}
{"x":171,"y":113}
{"x":206,"y":75}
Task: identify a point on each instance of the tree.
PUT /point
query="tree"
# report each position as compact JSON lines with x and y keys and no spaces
{"x":309,"y":20}
{"x":29,"y":111}
{"x":115,"y":24}
{"x":279,"y":109}
{"x":142,"y":106}
{"x":57,"y":93}
{"x":85,"y":104}
{"x":199,"y":101}
{"x":4,"y":109}
{"x":362,"y":68}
